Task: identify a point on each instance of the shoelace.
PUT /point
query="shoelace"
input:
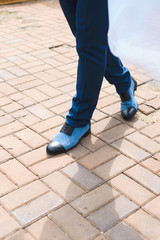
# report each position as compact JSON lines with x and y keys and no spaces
{"x":67,"y":129}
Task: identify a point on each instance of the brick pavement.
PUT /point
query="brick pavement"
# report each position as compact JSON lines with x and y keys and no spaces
{"x":108,"y":187}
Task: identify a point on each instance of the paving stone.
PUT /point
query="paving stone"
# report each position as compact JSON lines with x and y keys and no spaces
{"x":122,"y":232}
{"x":130,"y":150}
{"x":153,"y":207}
{"x":20,"y":235}
{"x":4,"y":155}
{"x":11,"y":128}
{"x":157,"y":156}
{"x":51,"y":165}
{"x":106,"y":101}
{"x":33,"y":156}
{"x":84,"y":230}
{"x":136,"y":122}
{"x":103,"y":125}
{"x":151,"y":130}
{"x":95,"y":159}
{"x":113,"y":167}
{"x":144,"y":142}
{"x":116,"y":133}
{"x":63,"y":186}
{"x":12,"y":107}
{"x":145,"y":177}
{"x":13,"y":145}
{"x":132,"y":189}
{"x":37,"y":208}
{"x":92,"y":143}
{"x":94,"y":200}
{"x":17,"y":172}
{"x":40,"y":111}
{"x":78,"y":152}
{"x":110,"y":214}
{"x":142,"y":223}
{"x":6,"y":119}
{"x":146,"y":109}
{"x":27,"y":134}
{"x":79,"y":174}
{"x":23,"y":195}
{"x":155,"y":103}
{"x":112,"y":109}
{"x":98,"y":115}
{"x":48,"y":124}
{"x":7,"y":224}
{"x":6,"y":185}
{"x":7,"y":89}
{"x":45,"y":229}
{"x":101,"y":238}
{"x":151,"y":164}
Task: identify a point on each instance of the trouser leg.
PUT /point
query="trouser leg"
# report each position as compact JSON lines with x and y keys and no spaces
{"x":116,"y":73}
{"x":88,"y":20}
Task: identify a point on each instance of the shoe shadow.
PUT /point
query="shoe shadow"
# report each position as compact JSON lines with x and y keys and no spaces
{"x":93,"y":207}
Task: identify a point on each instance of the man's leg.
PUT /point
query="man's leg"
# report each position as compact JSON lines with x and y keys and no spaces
{"x":91,"y":45}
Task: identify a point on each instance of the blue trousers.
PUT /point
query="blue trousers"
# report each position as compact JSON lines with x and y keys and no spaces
{"x":89,"y":22}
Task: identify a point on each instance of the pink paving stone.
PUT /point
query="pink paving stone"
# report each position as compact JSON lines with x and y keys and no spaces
{"x":116,"y":133}
{"x":47,"y":229}
{"x":33,"y":156}
{"x":11,"y":128}
{"x":136,"y":122}
{"x":4,"y":155}
{"x":7,"y":89}
{"x":48,"y":124}
{"x":131,"y":150}
{"x":31,"y":138}
{"x":40,"y":111}
{"x":142,"y":223}
{"x":7,"y":224}
{"x":92,"y":143}
{"x":98,"y":157}
{"x":155,"y":103}
{"x":145,"y":178}
{"x":23,"y":195}
{"x":78,"y":152}
{"x":6,"y":185}
{"x":17,"y":172}
{"x":132,"y":189}
{"x":52,"y":164}
{"x":113,"y":167}
{"x":152,"y":165}
{"x":144,"y":142}
{"x":6,"y":119}
{"x":153,"y":207}
{"x":103,"y":125}
{"x":63,"y":186}
{"x":157,"y":156}
{"x":14,"y":146}
{"x":19,"y":235}
{"x":152,"y":130}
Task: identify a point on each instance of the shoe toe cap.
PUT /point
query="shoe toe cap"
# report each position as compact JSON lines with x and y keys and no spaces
{"x":128,"y":113}
{"x":54,"y":148}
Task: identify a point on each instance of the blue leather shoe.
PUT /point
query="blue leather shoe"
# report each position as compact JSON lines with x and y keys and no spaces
{"x":129,"y":105}
{"x":67,"y":138}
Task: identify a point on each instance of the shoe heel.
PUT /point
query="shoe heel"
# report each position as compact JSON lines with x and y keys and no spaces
{"x":135,"y":84}
{"x":87,"y":133}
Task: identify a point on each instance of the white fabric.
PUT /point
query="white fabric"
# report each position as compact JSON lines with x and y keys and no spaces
{"x":134,"y":33}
